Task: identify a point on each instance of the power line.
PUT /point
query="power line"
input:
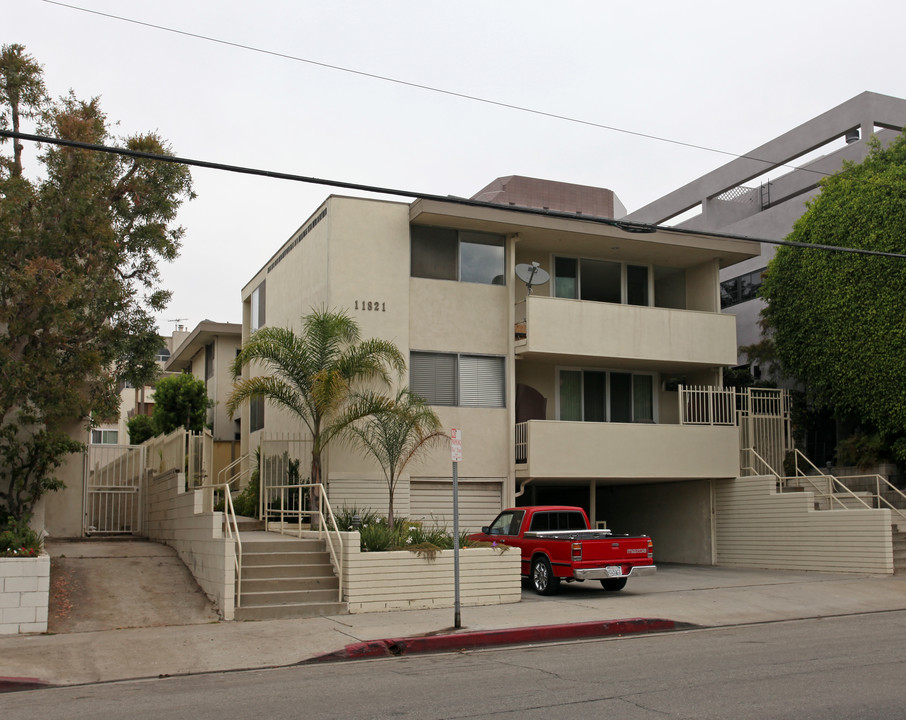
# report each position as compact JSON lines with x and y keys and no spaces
{"x":430,"y":88}
{"x":632,"y":227}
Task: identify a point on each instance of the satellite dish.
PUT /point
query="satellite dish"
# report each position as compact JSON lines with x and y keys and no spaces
{"x":532,"y":274}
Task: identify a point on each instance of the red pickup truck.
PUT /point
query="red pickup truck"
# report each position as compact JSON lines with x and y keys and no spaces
{"x":557,"y":544}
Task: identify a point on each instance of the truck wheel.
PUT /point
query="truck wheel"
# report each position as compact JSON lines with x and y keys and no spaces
{"x":543,"y":579}
{"x":614,"y":584}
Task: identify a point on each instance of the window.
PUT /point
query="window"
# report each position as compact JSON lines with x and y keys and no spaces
{"x":507,"y":523}
{"x":740,"y":289}
{"x":601,"y":281}
{"x":458,"y":380}
{"x":448,"y":254}
{"x":209,"y":361}
{"x":256,"y":414}
{"x":105,"y":437}
{"x":560,"y":520}
{"x":602,"y":396}
{"x":162,"y":355}
{"x":258,"y":302}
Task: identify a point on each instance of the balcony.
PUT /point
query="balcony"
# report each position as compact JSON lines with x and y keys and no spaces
{"x":576,"y":331}
{"x":553,"y":449}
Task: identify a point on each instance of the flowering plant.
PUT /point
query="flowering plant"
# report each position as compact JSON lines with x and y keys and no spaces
{"x":17,"y":539}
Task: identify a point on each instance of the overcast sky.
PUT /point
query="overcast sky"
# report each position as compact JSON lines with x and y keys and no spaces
{"x":720,"y":74}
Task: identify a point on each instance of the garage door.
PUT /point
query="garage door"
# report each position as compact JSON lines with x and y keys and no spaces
{"x":432,"y":501}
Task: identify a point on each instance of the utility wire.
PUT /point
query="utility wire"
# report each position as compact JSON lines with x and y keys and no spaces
{"x":630,"y":227}
{"x":430,"y":88}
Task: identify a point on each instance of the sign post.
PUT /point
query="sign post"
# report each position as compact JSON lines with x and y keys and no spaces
{"x":456,"y":454}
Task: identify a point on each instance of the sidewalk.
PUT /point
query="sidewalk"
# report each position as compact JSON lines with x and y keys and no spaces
{"x":703,"y":596}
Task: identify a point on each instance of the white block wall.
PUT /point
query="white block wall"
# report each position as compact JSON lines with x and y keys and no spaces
{"x":403,"y":580}
{"x":757,"y":527}
{"x":24,"y":594}
{"x":176,"y":518}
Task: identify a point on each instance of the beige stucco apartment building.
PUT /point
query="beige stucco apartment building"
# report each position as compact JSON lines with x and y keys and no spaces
{"x":565,"y":395}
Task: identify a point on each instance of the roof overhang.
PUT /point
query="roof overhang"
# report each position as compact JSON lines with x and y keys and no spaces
{"x":203,"y":334}
{"x":542,"y":233}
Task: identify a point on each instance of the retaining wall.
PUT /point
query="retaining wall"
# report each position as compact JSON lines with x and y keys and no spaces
{"x":24,"y":594}
{"x":404,"y":580}
{"x":755,"y":526}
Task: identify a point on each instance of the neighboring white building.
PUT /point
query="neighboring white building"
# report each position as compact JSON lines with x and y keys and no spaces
{"x":207,"y":352}
{"x":762,"y":193}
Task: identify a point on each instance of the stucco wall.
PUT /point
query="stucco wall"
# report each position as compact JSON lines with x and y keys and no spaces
{"x":677,"y":517}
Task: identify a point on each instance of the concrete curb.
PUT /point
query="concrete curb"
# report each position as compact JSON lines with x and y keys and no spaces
{"x":491,"y":638}
{"x":14,"y":684}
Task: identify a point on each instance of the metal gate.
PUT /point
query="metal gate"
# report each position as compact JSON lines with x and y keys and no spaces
{"x":113,"y":489}
{"x":765,"y":424}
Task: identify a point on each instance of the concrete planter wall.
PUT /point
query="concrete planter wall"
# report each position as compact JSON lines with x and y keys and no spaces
{"x":24,"y":594}
{"x":403,"y":580}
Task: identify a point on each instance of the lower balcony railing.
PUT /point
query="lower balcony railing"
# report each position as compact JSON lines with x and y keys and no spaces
{"x":588,"y":450}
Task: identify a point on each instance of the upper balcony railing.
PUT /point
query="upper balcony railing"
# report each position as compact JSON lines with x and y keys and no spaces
{"x":576,"y":329}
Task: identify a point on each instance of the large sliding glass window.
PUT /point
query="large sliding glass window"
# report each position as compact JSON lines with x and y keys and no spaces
{"x":601,"y":396}
{"x":448,"y":254}
{"x":601,"y":281}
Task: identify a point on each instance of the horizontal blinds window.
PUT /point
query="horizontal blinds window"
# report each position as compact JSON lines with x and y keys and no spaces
{"x":433,"y":376}
{"x":481,"y":381}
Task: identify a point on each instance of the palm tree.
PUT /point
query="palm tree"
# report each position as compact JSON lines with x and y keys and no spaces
{"x":397,"y":434}
{"x":314,"y":375}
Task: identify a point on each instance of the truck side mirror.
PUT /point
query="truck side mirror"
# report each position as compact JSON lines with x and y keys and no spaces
{"x":485,"y":530}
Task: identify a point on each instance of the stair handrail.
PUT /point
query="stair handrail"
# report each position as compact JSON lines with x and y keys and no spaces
{"x":327,"y":528}
{"x":222,"y":473}
{"x":879,"y":479}
{"x":324,"y":529}
{"x":232,"y":527}
{"x":770,"y":470}
{"x":832,"y":481}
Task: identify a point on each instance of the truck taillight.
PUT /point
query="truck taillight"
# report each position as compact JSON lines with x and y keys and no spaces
{"x":577,"y":551}
{"x":650,"y":549}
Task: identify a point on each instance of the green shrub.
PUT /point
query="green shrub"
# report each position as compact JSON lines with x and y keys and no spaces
{"x":140,"y":429}
{"x":864,"y":450}
{"x":17,"y":539}
{"x":376,"y":537}
{"x":346,"y":513}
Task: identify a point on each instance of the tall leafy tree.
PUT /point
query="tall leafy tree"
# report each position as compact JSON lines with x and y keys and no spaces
{"x":180,"y":401}
{"x":314,"y":375}
{"x":79,"y":277}
{"x":396,"y":435}
{"x":837,"y":319}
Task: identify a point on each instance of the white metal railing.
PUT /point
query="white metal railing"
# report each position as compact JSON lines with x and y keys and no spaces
{"x":188,"y":452}
{"x":231,"y":524}
{"x":707,"y":405}
{"x":882,"y":482}
{"x":232,"y":528}
{"x":286,"y":505}
{"x":521,"y":442}
{"x":753,"y":464}
{"x":235,"y":470}
{"x":834,"y":487}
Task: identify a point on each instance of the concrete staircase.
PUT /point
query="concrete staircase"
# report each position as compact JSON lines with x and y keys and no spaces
{"x":285,"y":577}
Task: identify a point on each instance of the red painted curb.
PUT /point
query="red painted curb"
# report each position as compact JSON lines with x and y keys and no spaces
{"x":491,"y":638}
{"x":12,"y":684}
